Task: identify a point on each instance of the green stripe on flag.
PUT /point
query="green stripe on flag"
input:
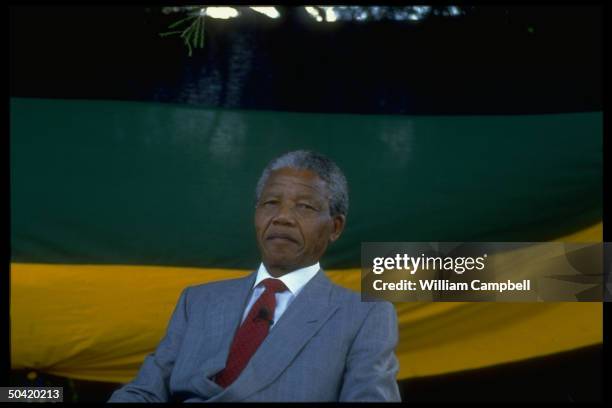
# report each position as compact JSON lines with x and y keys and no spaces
{"x":158,"y":184}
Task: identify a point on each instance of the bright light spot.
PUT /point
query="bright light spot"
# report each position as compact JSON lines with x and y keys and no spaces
{"x":268,"y":11}
{"x":221,"y":12}
{"x":454,"y":10}
{"x":422,"y":9}
{"x":314,"y":12}
{"x":330,"y":14}
{"x":357,"y":13}
{"x":361,"y":15}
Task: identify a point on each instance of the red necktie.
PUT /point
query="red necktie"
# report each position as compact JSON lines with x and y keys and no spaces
{"x":251,"y":333}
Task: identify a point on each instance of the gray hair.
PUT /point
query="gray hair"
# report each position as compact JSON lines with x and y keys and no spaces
{"x":326,"y":169}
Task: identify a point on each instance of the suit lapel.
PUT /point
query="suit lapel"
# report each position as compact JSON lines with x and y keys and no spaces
{"x":302,"y":319}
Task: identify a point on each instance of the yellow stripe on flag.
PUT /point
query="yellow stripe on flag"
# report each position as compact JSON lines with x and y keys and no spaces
{"x":98,"y":322}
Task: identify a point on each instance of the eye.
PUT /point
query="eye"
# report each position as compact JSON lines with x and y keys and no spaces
{"x":306,"y":206}
{"x":269,"y":202}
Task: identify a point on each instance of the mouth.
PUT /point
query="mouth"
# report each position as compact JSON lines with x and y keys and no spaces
{"x":281,"y":237}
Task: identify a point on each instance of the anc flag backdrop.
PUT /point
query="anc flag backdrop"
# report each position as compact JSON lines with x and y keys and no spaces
{"x":121,"y":197}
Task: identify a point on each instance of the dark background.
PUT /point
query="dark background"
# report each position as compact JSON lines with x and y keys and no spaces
{"x":575,"y":376}
{"x":488,"y":60}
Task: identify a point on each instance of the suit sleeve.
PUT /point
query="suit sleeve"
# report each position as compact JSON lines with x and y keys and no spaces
{"x":371,"y":365}
{"x":152,"y":382}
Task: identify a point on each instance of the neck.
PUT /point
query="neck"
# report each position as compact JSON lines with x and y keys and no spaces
{"x":277,"y":271}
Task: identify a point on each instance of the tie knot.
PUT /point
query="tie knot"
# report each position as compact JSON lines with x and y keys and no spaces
{"x":274,"y":285}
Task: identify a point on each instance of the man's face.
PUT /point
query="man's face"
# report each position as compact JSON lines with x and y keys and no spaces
{"x":292,"y":220}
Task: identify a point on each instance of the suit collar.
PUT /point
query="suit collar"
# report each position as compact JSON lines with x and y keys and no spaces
{"x":294,"y":281}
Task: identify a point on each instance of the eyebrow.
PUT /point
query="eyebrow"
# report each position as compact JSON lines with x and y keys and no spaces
{"x":302,"y":196}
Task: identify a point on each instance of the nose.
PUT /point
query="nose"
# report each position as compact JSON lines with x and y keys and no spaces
{"x":284,"y":215}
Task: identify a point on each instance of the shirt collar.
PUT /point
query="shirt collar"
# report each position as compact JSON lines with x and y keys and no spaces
{"x":294,"y":280}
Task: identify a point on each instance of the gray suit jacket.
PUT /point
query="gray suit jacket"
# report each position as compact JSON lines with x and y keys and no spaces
{"x":327,"y":346}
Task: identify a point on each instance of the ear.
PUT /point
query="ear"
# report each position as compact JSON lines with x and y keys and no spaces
{"x":339,"y":222}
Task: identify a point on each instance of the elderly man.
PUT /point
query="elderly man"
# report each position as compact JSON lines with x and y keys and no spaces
{"x":285,"y":332}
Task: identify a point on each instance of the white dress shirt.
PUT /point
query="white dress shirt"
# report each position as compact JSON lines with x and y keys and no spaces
{"x":295,"y":282}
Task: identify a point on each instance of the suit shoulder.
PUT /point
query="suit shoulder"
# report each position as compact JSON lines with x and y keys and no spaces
{"x":216,"y":284}
{"x":220,"y":286}
{"x":351,"y":299}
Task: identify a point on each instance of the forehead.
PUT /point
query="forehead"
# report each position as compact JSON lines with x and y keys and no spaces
{"x":288,"y":180}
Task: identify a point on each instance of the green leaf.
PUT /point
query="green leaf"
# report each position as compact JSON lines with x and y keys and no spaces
{"x":180,"y":21}
{"x":202,"y":34}
{"x":169,"y":33}
{"x":192,"y":35}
